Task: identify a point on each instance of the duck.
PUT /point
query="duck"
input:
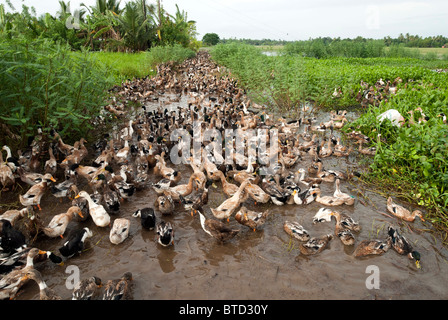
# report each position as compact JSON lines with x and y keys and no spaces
{"x":98,"y":213}
{"x":401,"y":245}
{"x":165,"y":204}
{"x":51,"y":165}
{"x":315,"y":245}
{"x":15,"y":215}
{"x":11,"y":239}
{"x":119,"y":289}
{"x":165,"y":233}
{"x":327,"y":200}
{"x":326,"y":149}
{"x":7,"y":178}
{"x":323,"y":214}
{"x":161,"y":185}
{"x":34,"y":195}
{"x":123,"y":154}
{"x":228,"y":207}
{"x":64,"y":148}
{"x":78,"y":153}
{"x":370,"y":151}
{"x":87,"y":289}
{"x":75,"y":243}
{"x":32,"y":178}
{"x":330,"y":175}
{"x":45,"y":293}
{"x":11,"y":161}
{"x":89,"y":173}
{"x":250,"y":218}
{"x":120,"y":230}
{"x":161,"y":169}
{"x":277,"y":195}
{"x":346,"y":221}
{"x":345,"y":235}
{"x":209,"y":167}
{"x":185,"y":189}
{"x":306,"y":196}
{"x":118,"y":183}
{"x":11,"y":283}
{"x":59,"y":222}
{"x":348,"y":199}
{"x":403,"y":213}
{"x":65,"y":189}
{"x":228,"y":188}
{"x":341,"y":150}
{"x":296,"y":230}
{"x":197,"y":200}
{"x":17,"y":259}
{"x":217,"y":229}
{"x":255,"y":192}
{"x":83,"y":204}
{"x":147,"y":218}
{"x":372,"y":247}
{"x":111,"y":199}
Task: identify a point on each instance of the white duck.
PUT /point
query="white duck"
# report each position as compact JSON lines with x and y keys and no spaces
{"x":99,"y":215}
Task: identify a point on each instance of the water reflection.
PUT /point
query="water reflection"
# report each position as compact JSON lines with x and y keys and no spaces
{"x":166,"y":258}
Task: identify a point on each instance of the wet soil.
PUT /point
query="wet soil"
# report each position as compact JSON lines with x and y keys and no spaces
{"x":265,"y":264}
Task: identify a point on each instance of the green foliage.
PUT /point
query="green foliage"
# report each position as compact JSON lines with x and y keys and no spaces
{"x":210,"y":39}
{"x":174,"y":53}
{"x":125,"y":66}
{"x":417,"y":152}
{"x":46,"y":85}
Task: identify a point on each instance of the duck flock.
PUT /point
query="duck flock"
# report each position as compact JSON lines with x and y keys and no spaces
{"x":138,"y":155}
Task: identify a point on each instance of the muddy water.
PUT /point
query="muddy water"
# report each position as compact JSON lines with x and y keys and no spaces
{"x":264,"y":264}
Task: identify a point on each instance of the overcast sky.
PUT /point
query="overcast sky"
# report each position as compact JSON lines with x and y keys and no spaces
{"x":298,"y":20}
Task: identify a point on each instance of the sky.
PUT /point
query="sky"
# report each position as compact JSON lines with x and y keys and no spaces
{"x":296,"y":19}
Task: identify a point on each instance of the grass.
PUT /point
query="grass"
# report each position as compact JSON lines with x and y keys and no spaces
{"x":441,"y":53}
{"x":126,"y":65}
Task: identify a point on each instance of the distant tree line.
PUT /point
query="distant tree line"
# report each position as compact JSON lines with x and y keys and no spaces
{"x":416,"y":41}
{"x":407,"y":40}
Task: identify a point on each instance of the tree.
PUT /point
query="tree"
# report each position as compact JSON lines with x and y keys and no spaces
{"x":210,"y":39}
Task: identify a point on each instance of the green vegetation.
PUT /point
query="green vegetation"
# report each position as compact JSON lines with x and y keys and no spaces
{"x":174,"y":53}
{"x":355,"y":48}
{"x":45,"y":85}
{"x":105,"y":26}
{"x":411,"y":161}
{"x":125,"y":65}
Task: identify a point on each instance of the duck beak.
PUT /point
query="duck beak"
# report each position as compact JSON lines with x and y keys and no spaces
{"x":80,"y":214}
{"x":77,"y":196}
{"x":53,"y":179}
{"x":42,"y":252}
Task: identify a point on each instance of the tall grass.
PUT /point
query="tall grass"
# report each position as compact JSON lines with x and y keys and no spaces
{"x":170,"y":53}
{"x":45,"y":85}
{"x":125,"y":65}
